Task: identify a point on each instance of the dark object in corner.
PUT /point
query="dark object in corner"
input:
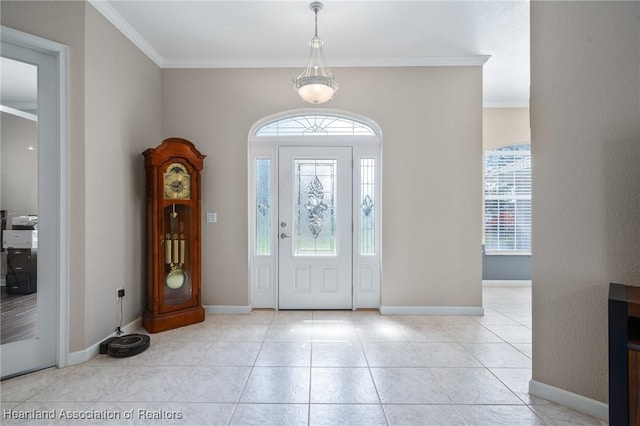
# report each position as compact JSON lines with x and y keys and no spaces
{"x":105,"y":345}
{"x":624,"y":355}
{"x":124,"y":346}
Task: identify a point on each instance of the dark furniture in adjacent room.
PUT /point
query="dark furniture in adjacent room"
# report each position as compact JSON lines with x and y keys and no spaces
{"x":624,"y":355}
{"x":22,"y":271}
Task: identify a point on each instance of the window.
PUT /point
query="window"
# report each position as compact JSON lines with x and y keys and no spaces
{"x":263,"y":206}
{"x":315,"y":124}
{"x":315,"y":208}
{"x":507,"y":199}
{"x":368,"y":206}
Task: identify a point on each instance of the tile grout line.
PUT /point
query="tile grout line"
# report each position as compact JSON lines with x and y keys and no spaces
{"x":375,"y":386}
{"x":235,"y":408}
{"x":168,"y":400}
{"x":72,"y":369}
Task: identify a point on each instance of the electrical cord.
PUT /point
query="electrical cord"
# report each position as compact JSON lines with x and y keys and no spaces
{"x":119,"y":327}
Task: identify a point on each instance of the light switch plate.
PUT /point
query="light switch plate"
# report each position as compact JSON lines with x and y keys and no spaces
{"x":212,"y":217}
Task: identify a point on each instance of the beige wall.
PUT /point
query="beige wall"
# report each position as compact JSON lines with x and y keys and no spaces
{"x":431,"y":120}
{"x":122,"y":119}
{"x":585,"y":105}
{"x":505,"y":126}
{"x":114,"y":98}
{"x":19,"y":166}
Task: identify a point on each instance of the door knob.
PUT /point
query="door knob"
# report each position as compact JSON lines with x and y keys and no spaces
{"x":283,"y":236}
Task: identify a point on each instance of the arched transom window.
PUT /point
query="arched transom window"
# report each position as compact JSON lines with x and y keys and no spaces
{"x":315,"y":124}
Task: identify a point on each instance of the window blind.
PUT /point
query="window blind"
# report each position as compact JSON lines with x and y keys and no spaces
{"x":507,"y":195}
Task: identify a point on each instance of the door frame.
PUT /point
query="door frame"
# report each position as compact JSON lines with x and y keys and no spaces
{"x":263,"y":269}
{"x":57,"y":128}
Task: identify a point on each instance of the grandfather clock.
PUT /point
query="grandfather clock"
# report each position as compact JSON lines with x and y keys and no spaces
{"x":173,"y":235}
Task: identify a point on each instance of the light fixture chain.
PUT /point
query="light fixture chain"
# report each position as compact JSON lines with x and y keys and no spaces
{"x":316,"y":6}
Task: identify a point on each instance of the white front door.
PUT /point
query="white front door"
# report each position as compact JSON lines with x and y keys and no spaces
{"x":315,"y":228}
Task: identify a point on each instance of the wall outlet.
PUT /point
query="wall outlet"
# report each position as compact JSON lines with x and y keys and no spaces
{"x":119,"y":293}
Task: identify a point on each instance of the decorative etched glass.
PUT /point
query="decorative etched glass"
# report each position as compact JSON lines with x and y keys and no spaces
{"x":315,"y":207}
{"x":263,"y":206}
{"x":315,"y":124}
{"x":367,"y":206}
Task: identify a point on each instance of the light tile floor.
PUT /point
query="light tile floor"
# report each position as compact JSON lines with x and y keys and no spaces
{"x":318,"y":368}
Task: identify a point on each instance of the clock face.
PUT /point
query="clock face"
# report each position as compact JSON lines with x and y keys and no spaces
{"x":177,"y":182}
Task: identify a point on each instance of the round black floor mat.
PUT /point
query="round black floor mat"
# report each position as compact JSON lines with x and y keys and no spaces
{"x":128,"y":345}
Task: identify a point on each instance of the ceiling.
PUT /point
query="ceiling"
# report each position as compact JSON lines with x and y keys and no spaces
{"x":18,"y":85}
{"x":204,"y":34}
{"x":231,"y":34}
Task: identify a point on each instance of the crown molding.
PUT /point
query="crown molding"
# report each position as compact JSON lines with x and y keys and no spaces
{"x":25,"y":106}
{"x":121,"y":24}
{"x":426,"y":61}
{"x":18,"y":113}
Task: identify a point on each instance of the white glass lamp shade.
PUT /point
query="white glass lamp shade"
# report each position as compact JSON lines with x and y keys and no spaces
{"x":316,"y":89}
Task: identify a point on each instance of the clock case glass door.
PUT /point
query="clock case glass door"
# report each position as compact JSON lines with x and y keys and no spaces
{"x":177,"y":271}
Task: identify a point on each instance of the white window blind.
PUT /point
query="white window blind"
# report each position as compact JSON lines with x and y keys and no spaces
{"x":507,"y":199}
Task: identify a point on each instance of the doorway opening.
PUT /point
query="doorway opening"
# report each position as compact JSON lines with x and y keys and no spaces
{"x":315,"y":211}
{"x":38,"y":205}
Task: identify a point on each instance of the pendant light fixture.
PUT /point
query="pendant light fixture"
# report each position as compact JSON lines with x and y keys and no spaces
{"x":316,"y":84}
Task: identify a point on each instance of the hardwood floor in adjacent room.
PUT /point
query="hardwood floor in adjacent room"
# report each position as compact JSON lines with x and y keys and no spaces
{"x":18,"y":316}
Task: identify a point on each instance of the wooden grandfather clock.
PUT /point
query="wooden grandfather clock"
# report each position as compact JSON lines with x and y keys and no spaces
{"x":173,"y":235}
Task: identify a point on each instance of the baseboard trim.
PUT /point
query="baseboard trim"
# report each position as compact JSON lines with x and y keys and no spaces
{"x":85,"y":355}
{"x":572,"y":400}
{"x":228,"y":309}
{"x":431,"y":310}
{"x":506,"y":283}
